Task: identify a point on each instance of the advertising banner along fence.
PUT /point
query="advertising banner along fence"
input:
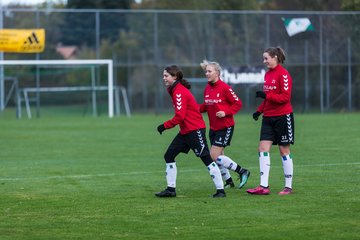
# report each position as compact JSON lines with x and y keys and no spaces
{"x":22,"y":40}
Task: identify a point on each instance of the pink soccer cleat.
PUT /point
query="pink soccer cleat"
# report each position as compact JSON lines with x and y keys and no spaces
{"x":260,"y":190}
{"x":286,"y":191}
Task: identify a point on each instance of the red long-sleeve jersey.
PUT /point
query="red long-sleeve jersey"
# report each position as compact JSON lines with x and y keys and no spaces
{"x":277,"y":86}
{"x":187,"y":114}
{"x":220,"y":97}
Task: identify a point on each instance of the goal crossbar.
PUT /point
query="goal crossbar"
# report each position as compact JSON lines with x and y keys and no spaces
{"x":107,"y":62}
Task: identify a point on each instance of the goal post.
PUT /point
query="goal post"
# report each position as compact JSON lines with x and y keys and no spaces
{"x":107,"y":62}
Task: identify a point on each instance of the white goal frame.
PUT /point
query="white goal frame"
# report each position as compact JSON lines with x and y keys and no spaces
{"x":107,"y":62}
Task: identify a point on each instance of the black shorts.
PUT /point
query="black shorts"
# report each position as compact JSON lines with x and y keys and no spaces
{"x":280,"y":130}
{"x":195,"y":140}
{"x":221,"y":138}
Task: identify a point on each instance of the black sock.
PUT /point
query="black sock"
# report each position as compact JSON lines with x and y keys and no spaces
{"x":229,"y":180}
{"x":239,"y":169}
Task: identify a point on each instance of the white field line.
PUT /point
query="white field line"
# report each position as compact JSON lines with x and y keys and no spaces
{"x":140,"y":173}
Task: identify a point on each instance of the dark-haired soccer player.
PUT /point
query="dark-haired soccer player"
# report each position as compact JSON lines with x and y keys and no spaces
{"x":277,"y":126}
{"x":191,"y":135}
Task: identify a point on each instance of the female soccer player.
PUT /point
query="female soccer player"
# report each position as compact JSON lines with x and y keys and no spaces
{"x":278,"y":120}
{"x":221,"y":104}
{"x":191,"y":135}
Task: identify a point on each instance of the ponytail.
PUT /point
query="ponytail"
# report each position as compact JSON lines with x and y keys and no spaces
{"x":185,"y":83}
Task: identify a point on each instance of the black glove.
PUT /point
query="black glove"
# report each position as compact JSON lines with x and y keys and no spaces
{"x":161,"y":128}
{"x":261,"y":94}
{"x":256,"y":115}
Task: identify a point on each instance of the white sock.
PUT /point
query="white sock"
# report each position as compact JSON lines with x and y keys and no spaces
{"x":215,"y":174}
{"x":226,"y":162}
{"x":288,"y":169}
{"x":171,"y":173}
{"x":225,"y":174}
{"x":264,"y":161}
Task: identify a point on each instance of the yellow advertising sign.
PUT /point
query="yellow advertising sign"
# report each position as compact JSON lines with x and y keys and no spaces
{"x":22,"y":40}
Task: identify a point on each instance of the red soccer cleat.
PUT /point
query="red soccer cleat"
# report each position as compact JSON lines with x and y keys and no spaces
{"x":286,"y":191}
{"x":260,"y":190}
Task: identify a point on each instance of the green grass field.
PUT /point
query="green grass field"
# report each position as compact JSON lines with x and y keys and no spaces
{"x":74,"y":177}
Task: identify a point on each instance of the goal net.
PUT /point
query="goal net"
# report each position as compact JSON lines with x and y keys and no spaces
{"x":75,"y":79}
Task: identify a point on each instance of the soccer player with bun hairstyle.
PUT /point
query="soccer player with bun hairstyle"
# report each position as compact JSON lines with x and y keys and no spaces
{"x":277,"y":126}
{"x":221,"y":104}
{"x":191,"y":135}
